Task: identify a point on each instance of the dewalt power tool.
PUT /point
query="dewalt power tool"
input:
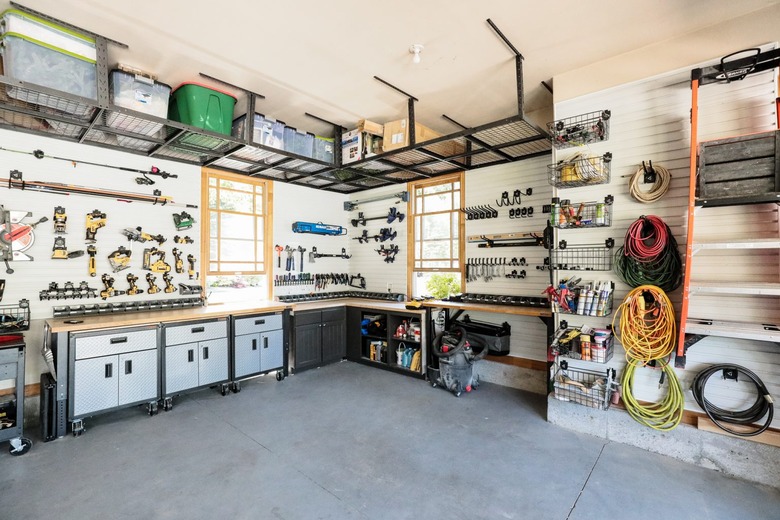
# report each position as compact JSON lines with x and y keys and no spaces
{"x":92,"y":264}
{"x":95,"y":221}
{"x":60,"y":219}
{"x":169,"y":287}
{"x":183,"y":240}
{"x":158,"y":266}
{"x":133,"y":290}
{"x":60,"y":250}
{"x":178,"y":265}
{"x":183,"y":221}
{"x":191,"y":270}
{"x":152,"y":281}
{"x":119,"y":259}
{"x":109,"y":291}
{"x":139,"y":235}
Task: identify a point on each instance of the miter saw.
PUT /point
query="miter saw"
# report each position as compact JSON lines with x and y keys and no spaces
{"x":16,"y":237}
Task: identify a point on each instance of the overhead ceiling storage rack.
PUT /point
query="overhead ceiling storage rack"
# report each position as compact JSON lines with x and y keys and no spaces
{"x":43,"y":111}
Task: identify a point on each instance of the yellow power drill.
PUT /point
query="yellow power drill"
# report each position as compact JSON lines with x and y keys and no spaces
{"x":133,"y":290}
{"x":178,"y":264}
{"x":152,"y":281}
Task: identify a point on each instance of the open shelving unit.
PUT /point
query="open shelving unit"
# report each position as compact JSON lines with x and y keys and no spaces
{"x":729,"y":172}
{"x":43,"y":111}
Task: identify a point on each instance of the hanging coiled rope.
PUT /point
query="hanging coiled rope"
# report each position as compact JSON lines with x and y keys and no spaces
{"x":661,"y":185}
{"x":763,"y":405}
{"x":649,"y":255}
{"x":646,"y":327}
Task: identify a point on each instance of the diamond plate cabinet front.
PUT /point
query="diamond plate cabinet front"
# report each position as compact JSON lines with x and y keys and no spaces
{"x":259,"y":346}
{"x":195,"y":355}
{"x":112,"y":369}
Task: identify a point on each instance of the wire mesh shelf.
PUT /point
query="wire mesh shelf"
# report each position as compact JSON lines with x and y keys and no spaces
{"x":582,"y":257}
{"x":566,"y":214}
{"x":15,"y":317}
{"x":580,"y":130}
{"x":581,"y":170}
{"x":586,"y":387}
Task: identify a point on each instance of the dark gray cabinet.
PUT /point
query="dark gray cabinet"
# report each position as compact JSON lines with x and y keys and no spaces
{"x":320,"y":338}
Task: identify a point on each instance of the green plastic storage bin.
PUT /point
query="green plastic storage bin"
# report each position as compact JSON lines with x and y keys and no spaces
{"x":201,"y":106}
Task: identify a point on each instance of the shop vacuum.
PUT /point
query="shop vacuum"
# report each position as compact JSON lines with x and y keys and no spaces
{"x":457,"y":351}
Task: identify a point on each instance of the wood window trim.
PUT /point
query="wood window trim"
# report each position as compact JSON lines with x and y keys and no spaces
{"x":410,"y":258}
{"x":268,"y":220}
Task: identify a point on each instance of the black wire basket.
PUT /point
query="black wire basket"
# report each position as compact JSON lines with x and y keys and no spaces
{"x":582,"y":258}
{"x":586,"y":387}
{"x":583,"y":129}
{"x":581,"y":170}
{"x":565,"y":214}
{"x":15,"y":318}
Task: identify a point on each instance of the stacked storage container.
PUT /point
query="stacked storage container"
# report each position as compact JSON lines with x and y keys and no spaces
{"x":49,"y":55}
{"x":143,"y":95}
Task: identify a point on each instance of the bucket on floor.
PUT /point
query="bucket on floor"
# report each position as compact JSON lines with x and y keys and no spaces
{"x":202,"y":106}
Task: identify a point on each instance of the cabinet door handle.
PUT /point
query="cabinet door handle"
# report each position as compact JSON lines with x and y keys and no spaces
{"x":254,"y":344}
{"x":198,"y":329}
{"x":265,"y":342}
{"x":190,"y":355}
{"x":259,"y":322}
{"x":129,"y":366}
{"x":109,"y":370}
{"x":205,"y":352}
{"x":114,"y":341}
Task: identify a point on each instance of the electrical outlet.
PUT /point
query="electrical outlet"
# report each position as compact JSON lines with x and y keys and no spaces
{"x":389,"y":287}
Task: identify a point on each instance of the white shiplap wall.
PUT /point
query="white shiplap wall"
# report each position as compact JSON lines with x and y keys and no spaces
{"x":650,"y":120}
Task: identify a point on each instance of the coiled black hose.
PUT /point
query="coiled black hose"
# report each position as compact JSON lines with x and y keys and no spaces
{"x":763,"y":406}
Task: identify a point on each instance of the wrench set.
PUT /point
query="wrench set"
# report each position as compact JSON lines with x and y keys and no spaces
{"x":488,"y":269}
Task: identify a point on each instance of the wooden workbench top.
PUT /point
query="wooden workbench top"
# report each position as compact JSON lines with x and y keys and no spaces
{"x":214,"y":310}
{"x":541,"y":312}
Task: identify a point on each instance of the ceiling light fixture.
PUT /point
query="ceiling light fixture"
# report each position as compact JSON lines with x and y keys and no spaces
{"x":416,"y":49}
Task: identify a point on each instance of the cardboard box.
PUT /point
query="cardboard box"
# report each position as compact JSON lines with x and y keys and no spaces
{"x":369,"y":127}
{"x":397,"y":134}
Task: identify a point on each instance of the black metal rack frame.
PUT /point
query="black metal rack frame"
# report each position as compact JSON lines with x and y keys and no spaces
{"x":83,"y":120}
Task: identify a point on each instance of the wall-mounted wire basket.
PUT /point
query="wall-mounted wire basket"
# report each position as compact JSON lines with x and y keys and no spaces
{"x":581,"y":170}
{"x":565,"y":214}
{"x":583,"y":300}
{"x":586,"y":387}
{"x":582,"y":257}
{"x":583,"y":129}
{"x":16,"y":317}
{"x":597,"y":346}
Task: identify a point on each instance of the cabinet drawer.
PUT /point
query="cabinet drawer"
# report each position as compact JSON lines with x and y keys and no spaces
{"x":337,"y":314}
{"x":308,"y":317}
{"x":188,"y":333}
{"x":257,"y":324}
{"x":119,"y":342}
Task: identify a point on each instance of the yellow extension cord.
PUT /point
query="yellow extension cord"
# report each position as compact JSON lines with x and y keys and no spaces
{"x":649,"y":334}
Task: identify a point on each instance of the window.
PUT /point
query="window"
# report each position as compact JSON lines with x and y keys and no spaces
{"x":435,"y":237}
{"x":235,"y":228}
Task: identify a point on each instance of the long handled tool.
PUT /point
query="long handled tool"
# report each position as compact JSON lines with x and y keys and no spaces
{"x":157,"y":198}
{"x":154,"y":170}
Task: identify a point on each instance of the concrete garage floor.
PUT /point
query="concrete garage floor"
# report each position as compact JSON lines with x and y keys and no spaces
{"x":352,"y":442}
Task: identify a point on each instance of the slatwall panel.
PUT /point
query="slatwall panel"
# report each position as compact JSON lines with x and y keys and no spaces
{"x":484,"y":187}
{"x":365,"y":260}
{"x":650,"y":121}
{"x":294,"y":203}
{"x":30,"y":278}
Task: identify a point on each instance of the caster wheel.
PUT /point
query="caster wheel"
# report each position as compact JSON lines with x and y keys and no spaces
{"x":224,"y":389}
{"x":168,"y":404}
{"x":152,"y":409}
{"x":236,"y":387}
{"x":433,"y":384}
{"x":279,"y":376}
{"x":24,"y":446}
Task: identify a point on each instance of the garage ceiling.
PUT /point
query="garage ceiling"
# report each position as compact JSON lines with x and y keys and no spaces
{"x":318,"y":57}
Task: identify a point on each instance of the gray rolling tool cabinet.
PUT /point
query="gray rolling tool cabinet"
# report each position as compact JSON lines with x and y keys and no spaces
{"x":12,"y":406}
{"x":259,"y":346}
{"x":195,"y":355}
{"x":110,"y":370}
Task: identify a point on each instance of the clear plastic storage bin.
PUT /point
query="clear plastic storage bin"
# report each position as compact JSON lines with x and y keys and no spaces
{"x":323,"y":149}
{"x":142,"y":95}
